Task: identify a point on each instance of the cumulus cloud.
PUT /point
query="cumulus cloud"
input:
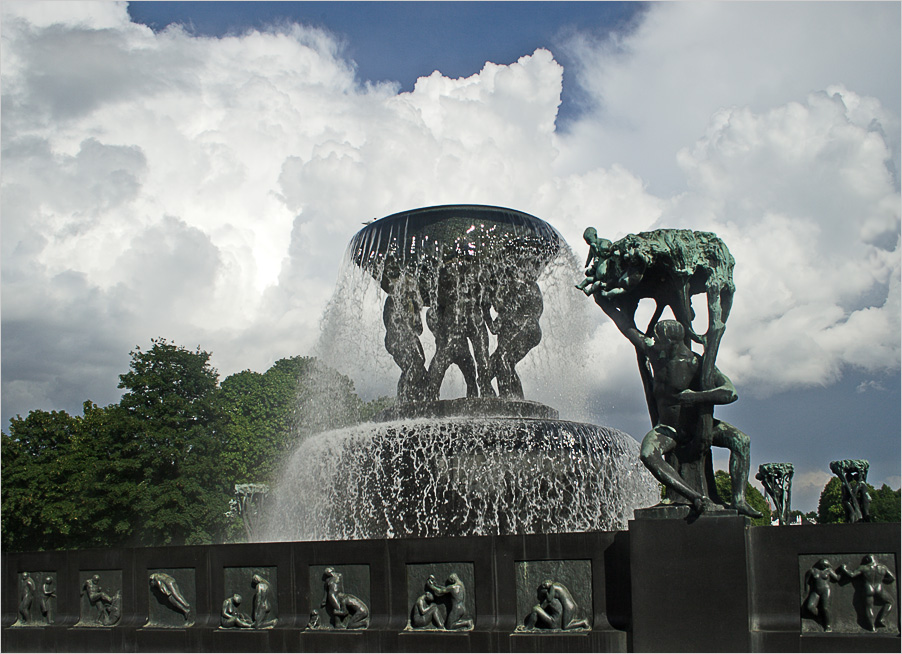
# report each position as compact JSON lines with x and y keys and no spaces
{"x":650,"y":92}
{"x":204,"y":189}
{"x":803,"y":196}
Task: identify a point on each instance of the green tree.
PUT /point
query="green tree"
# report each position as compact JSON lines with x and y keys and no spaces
{"x":65,"y":482}
{"x":752,"y":495}
{"x":326,"y":399}
{"x":371,"y":409}
{"x":829,"y":505}
{"x":37,"y":510}
{"x":885,"y":503}
{"x":172,"y":433}
{"x":104,"y":478}
{"x":265,"y":415}
{"x":159,"y":467}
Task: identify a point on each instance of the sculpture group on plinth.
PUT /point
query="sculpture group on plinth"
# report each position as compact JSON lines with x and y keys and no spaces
{"x":777,"y":481}
{"x":853,"y":477}
{"x":250,"y":504}
{"x":682,"y":387}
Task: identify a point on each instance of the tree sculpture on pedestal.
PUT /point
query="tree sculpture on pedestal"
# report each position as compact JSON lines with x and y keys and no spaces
{"x":249,"y":504}
{"x":777,"y":481}
{"x":681,"y":386}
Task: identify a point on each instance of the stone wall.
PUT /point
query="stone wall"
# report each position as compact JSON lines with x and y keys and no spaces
{"x":664,"y":585}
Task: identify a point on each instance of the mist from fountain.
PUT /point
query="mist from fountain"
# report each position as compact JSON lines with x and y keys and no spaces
{"x":515,"y":468}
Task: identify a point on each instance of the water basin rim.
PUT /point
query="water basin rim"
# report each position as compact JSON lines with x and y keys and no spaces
{"x":458,"y":207}
{"x":413,"y":221}
{"x":469,"y":408}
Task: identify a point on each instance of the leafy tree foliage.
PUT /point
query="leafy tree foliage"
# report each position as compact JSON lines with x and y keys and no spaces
{"x":885,"y":503}
{"x":752,"y":495}
{"x":172,"y":433}
{"x":265,"y":414}
{"x":37,"y":506}
{"x":829,"y":506}
{"x":160,"y":466}
{"x":105,"y":476}
{"x":64,"y":484}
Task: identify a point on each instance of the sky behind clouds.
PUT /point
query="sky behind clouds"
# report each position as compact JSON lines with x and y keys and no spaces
{"x":200,"y":180}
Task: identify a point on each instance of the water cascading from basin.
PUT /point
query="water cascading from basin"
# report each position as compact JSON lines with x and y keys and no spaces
{"x":459,"y":290}
{"x":429,"y":477}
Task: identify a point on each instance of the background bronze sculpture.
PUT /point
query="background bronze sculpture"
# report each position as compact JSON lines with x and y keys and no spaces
{"x":777,"y":481}
{"x":681,"y":387}
{"x":853,"y":477}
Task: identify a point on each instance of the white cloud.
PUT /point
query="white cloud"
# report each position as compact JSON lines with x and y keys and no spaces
{"x":868,"y":386}
{"x":651,"y":92}
{"x":204,"y":189}
{"x":95,"y":15}
{"x":803,"y":197}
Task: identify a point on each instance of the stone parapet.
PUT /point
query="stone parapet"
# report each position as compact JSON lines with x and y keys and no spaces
{"x":716,"y":584}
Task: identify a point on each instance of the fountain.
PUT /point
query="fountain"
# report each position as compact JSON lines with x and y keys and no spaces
{"x":490,"y":463}
{"x":473,"y":301}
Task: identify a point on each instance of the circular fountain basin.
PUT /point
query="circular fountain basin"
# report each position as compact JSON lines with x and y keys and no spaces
{"x":438,"y":234}
{"x":460,"y":476}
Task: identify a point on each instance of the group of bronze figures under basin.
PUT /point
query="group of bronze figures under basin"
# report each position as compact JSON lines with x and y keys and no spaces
{"x":474,"y":272}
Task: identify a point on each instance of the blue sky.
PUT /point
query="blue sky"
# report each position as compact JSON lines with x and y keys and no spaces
{"x":200,"y":181}
{"x":402,"y":41}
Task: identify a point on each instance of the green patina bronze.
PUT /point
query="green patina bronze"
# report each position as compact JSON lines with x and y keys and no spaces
{"x":475,"y":270}
{"x":853,"y":475}
{"x":681,"y":386}
{"x":777,"y":481}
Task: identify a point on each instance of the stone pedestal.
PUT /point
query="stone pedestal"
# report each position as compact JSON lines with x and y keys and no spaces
{"x":690,"y":585}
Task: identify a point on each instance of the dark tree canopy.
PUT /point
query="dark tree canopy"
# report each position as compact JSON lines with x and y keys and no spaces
{"x":159,"y":467}
{"x":172,"y":432}
{"x":37,"y":506}
{"x":885,"y":503}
